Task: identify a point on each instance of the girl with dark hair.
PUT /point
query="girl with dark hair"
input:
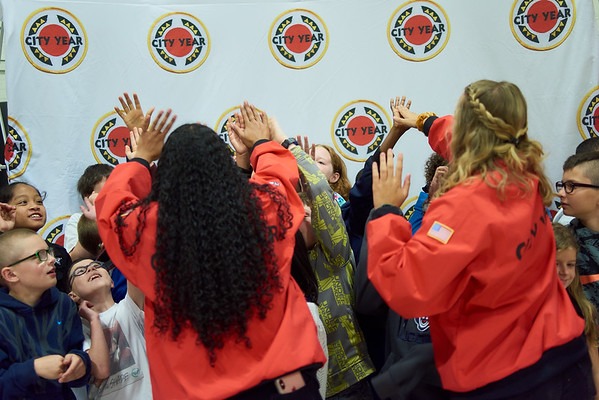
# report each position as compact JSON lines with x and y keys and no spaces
{"x":212,"y":252}
{"x":27,"y":210}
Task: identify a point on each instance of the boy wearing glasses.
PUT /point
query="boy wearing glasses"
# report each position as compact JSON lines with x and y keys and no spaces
{"x":40,"y":332}
{"x":579,"y":194}
{"x":123,"y":325}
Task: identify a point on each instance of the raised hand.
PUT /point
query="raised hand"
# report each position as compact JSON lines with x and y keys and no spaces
{"x":131,"y":148}
{"x":387,"y":186}
{"x":403,"y":118}
{"x":89,"y":208}
{"x":151,"y":142}
{"x":8,"y":215}
{"x":440,"y":173}
{"x":131,"y":112}
{"x":304,"y":143}
{"x":254,"y":126}
{"x":242,"y":153}
{"x":74,"y":368}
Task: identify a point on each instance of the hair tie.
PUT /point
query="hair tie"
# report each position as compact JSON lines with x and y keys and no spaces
{"x":514,"y":141}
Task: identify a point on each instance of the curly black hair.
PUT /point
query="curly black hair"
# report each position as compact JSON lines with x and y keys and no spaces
{"x":432,"y":163}
{"x":214,"y":261}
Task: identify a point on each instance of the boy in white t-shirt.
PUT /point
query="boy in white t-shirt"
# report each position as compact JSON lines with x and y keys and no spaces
{"x":123,"y":325}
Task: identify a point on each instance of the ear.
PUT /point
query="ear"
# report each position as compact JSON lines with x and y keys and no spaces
{"x":334,"y":178}
{"x":74,"y":297}
{"x":8,"y":275}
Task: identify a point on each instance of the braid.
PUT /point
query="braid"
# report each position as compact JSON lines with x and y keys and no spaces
{"x":498,"y":126}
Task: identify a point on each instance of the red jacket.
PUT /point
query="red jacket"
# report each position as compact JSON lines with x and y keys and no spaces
{"x":283,"y":342}
{"x":483,"y":270}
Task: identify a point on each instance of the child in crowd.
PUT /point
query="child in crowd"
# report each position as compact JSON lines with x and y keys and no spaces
{"x":31,"y":214}
{"x":123,"y":325}
{"x":41,"y":335}
{"x":579,"y":194}
{"x":501,"y":325}
{"x":566,"y":251}
{"x":588,"y":145}
{"x":333,"y":263}
{"x":89,"y":185}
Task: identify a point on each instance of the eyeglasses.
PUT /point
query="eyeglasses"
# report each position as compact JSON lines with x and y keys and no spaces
{"x":569,"y":186}
{"x":41,"y":255}
{"x":94,"y":265}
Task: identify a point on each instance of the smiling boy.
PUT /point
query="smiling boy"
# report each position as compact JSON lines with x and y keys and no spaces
{"x":123,"y":325}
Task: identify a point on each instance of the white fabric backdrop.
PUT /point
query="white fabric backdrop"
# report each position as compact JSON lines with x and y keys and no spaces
{"x":56,"y":112}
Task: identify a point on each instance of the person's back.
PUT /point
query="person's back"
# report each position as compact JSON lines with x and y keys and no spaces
{"x":40,"y":331}
{"x":218,"y":321}
{"x":482,"y":266}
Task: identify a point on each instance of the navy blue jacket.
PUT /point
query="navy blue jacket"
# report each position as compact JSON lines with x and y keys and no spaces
{"x":52,"y":326}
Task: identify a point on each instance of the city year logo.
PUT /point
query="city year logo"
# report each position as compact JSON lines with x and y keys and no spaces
{"x":359,"y":128}
{"x":418,"y":30}
{"x":54,"y":40}
{"x":54,"y":230}
{"x":588,"y":115}
{"x":179,"y":42}
{"x":108,"y":139}
{"x":17,"y":149}
{"x":408,"y":206}
{"x":542,"y":24}
{"x":298,"y":39}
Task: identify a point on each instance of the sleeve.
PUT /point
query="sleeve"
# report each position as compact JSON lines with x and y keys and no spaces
{"x":128,"y":183}
{"x":133,"y":311}
{"x":360,"y":199}
{"x":16,"y":379}
{"x":415,"y":219}
{"x":327,"y":223}
{"x":439,"y":135}
{"x":426,"y":274}
{"x":70,"y":233}
{"x":368,"y":300}
{"x":274,"y":165}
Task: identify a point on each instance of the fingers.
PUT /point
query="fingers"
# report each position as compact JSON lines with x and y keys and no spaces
{"x":409,"y":104}
{"x":399,"y":165}
{"x":136,"y":101}
{"x":71,"y":363}
{"x":128,"y":100}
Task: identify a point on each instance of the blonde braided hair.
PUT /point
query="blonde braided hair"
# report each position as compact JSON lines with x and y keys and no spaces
{"x":490,"y":140}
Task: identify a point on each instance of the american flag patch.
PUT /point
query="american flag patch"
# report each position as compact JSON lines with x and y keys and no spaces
{"x":440,"y":232}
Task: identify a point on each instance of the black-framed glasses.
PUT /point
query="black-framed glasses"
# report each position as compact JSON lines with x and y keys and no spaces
{"x":94,"y":265}
{"x":569,"y":186}
{"x":41,"y":255}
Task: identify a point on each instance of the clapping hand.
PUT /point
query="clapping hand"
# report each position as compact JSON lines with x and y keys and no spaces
{"x":252,"y":126}
{"x":403,"y":118}
{"x":151,"y":142}
{"x":132,"y":114}
{"x":387,"y":185}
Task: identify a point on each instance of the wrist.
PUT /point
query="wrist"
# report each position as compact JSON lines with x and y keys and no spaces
{"x":289,"y":142}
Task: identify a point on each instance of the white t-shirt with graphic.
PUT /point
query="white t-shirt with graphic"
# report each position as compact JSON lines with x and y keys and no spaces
{"x":129,"y":378}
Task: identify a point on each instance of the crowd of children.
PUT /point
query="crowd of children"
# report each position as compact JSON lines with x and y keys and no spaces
{"x":268,"y":276}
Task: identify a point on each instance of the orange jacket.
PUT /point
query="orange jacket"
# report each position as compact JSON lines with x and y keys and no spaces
{"x":483,"y":270}
{"x":283,"y":342}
